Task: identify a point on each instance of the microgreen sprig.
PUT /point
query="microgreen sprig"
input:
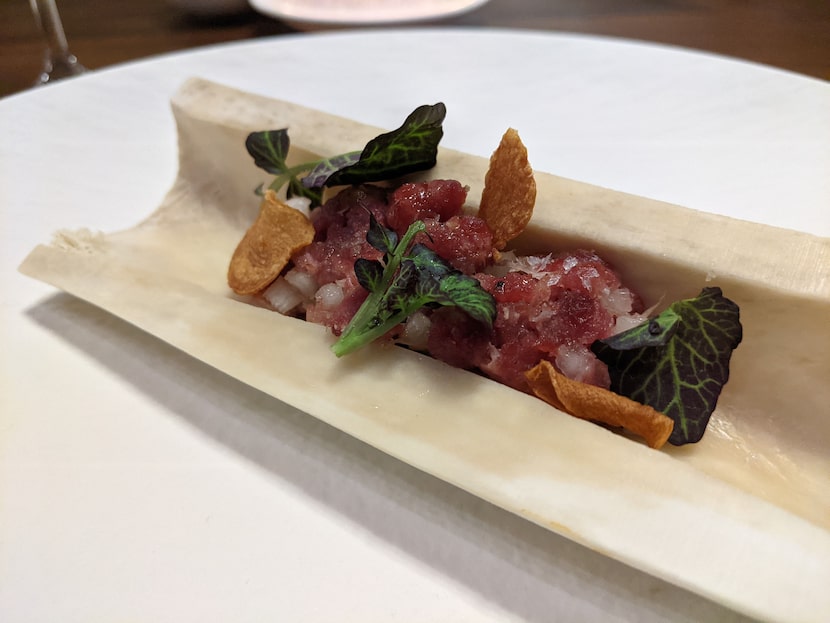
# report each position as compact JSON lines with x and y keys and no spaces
{"x":410,"y":148}
{"x":407,"y":278}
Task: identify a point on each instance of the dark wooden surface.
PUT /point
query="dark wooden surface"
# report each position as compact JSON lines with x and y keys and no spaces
{"x":789,"y":34}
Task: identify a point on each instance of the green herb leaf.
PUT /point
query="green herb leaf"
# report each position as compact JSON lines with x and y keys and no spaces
{"x":269,"y":149}
{"x":429,"y":263}
{"x":412,"y":147}
{"x":382,"y":239}
{"x":683,"y":376}
{"x":369,"y":273}
{"x":467,"y":294}
{"x":405,"y":281}
{"x":440,"y":284}
{"x":328,"y":167}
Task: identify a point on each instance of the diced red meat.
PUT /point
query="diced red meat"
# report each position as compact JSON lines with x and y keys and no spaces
{"x":346,"y":214}
{"x":341,"y":225}
{"x":457,"y":339}
{"x":464,"y":241}
{"x":575,"y":317}
{"x":512,"y":359}
{"x":581,"y":270}
{"x":516,"y":287}
{"x":550,"y":308}
{"x":547,"y":307}
{"x":436,"y":199}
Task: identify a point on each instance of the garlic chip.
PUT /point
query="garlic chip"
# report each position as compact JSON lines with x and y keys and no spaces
{"x":509,"y":190}
{"x":589,"y":402}
{"x":278,"y":233}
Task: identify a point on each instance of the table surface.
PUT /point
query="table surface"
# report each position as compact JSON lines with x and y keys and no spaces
{"x":788,"y":34}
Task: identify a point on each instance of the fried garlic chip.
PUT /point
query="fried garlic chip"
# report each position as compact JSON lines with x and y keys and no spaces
{"x":509,"y":190}
{"x":278,"y":232}
{"x":589,"y":402}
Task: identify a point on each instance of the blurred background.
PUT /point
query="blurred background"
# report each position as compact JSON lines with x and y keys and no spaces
{"x":788,"y":34}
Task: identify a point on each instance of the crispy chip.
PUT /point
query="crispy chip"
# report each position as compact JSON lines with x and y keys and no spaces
{"x":509,"y":190}
{"x":278,"y":232}
{"x":590,"y":402}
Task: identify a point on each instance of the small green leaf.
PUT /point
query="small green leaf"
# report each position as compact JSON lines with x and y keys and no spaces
{"x":269,"y":149}
{"x":369,"y":273}
{"x":412,"y":147}
{"x":429,"y":262}
{"x":406,"y":283}
{"x":683,"y":377}
{"x":401,"y":289}
{"x":382,"y":239}
{"x":441,"y":284}
{"x":467,"y":294}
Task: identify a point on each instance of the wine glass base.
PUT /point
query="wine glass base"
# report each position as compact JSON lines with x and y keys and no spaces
{"x":57,"y":69}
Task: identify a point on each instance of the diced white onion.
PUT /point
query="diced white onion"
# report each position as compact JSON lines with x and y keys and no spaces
{"x":302,"y":204}
{"x":282,"y":296}
{"x":575,"y":361}
{"x":624,"y":323}
{"x":534,"y":265}
{"x":329,"y":296}
{"x":617,"y":302}
{"x":569,"y":263}
{"x":416,"y":331}
{"x":545,"y":314}
{"x":303,"y":282}
{"x":586,"y":276}
{"x":627,"y":320}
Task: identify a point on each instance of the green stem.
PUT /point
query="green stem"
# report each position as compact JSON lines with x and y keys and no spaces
{"x":351,"y":341}
{"x":366,"y":325}
{"x":283,"y":178}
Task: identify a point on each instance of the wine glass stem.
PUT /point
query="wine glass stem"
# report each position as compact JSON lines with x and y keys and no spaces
{"x":59,"y":62}
{"x":49,"y":20}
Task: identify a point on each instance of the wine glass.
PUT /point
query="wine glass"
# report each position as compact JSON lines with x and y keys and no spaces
{"x":58,"y":61}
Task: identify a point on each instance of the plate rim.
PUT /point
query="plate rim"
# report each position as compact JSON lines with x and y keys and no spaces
{"x":298,"y":13}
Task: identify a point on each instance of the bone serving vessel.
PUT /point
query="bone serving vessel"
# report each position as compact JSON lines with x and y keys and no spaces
{"x":743,"y":517}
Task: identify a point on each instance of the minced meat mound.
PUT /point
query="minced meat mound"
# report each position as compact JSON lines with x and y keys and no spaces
{"x":548,"y":306}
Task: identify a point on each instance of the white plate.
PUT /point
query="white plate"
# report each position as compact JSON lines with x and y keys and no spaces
{"x":137,"y":483}
{"x":366,"y":12}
